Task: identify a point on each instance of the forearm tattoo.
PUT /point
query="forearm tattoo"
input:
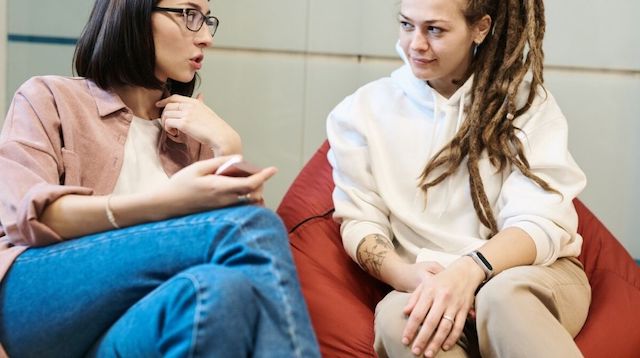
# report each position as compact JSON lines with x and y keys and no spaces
{"x":371,"y":252}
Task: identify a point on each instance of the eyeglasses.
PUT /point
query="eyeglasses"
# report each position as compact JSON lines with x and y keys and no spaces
{"x":194,"y":19}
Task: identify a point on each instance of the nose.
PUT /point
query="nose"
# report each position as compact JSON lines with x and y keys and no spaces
{"x":419,"y":42}
{"x":203,"y":37}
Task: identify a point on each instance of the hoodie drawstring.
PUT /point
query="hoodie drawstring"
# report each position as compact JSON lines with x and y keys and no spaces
{"x":460,"y":113}
{"x":449,"y":180}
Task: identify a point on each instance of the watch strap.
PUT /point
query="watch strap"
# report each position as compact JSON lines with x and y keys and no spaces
{"x":484,"y":264}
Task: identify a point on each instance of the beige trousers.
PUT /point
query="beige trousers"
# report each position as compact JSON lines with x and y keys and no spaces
{"x":527,"y":311}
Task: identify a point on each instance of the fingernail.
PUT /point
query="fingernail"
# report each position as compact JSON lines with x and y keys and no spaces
{"x":405,"y":341}
{"x":416,"y":351}
{"x":445,"y":347}
{"x":429,"y":354}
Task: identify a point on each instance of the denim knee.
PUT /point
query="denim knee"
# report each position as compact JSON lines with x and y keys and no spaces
{"x":205,"y":311}
{"x":255,"y":226}
{"x":214,"y":284}
{"x":257,"y":216}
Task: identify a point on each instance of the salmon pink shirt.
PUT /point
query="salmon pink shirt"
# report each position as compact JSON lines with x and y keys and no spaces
{"x":65,"y":136}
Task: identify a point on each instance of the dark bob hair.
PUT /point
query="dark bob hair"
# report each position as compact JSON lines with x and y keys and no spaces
{"x":116,"y":48}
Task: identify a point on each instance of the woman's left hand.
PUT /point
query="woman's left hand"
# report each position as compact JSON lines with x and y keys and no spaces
{"x":193,"y":118}
{"x":439,"y":306}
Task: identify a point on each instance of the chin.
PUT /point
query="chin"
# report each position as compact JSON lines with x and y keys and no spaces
{"x":184,"y":79}
{"x":422,"y":74}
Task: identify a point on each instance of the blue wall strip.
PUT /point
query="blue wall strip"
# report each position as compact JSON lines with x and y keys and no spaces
{"x":47,"y":40}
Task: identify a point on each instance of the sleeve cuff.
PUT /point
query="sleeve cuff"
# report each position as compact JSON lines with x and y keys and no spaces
{"x":544,"y":246}
{"x":28,"y":229}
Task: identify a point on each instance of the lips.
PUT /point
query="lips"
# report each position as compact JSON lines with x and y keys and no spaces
{"x":421,"y":61}
{"x":196,"y":62}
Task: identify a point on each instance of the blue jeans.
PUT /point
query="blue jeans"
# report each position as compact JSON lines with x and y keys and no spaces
{"x":214,"y":284}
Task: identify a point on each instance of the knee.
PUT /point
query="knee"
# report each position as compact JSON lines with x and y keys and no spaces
{"x":260,"y":228}
{"x":501,"y":292}
{"x":261,"y":218}
{"x":252,"y":214}
{"x":211,"y":306}
{"x":252,"y":218}
{"x":390,"y":320}
{"x":217,"y":284}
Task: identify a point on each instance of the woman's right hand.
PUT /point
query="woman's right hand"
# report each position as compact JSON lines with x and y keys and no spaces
{"x":195,"y":188}
{"x":195,"y":119}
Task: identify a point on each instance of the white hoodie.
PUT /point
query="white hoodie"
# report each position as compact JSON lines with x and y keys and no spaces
{"x":383,"y":135}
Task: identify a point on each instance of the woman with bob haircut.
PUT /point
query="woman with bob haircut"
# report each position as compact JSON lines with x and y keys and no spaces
{"x":117,"y":238}
{"x":454,"y":185}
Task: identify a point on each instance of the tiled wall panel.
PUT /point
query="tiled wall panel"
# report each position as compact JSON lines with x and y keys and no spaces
{"x":329,"y":81}
{"x":27,"y":60}
{"x":48,"y":18}
{"x":593,"y":33}
{"x":332,"y":31}
{"x":258,"y":24}
{"x":261,"y":95}
{"x":602,"y":111}
{"x":353,"y":27}
{"x":380,"y":27}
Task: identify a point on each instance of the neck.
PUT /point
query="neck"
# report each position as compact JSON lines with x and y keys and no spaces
{"x":142,"y":101}
{"x":446,"y":89}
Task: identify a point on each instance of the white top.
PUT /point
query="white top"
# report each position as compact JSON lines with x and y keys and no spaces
{"x":383,"y":135}
{"x":141,"y":168}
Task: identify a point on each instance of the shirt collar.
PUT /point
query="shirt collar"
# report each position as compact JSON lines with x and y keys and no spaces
{"x":106,"y":101}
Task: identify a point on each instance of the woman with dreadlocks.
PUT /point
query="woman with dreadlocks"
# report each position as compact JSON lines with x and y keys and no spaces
{"x":454,"y":185}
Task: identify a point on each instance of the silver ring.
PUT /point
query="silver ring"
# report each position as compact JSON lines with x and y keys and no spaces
{"x":243,"y":199}
{"x":450,"y":319}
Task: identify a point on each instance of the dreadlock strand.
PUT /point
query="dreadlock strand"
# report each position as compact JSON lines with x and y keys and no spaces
{"x":509,"y":53}
{"x":515,"y":26}
{"x":478,"y":194}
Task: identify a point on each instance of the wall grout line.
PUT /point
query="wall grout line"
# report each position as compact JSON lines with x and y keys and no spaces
{"x":592,"y":70}
{"x":385,"y":58}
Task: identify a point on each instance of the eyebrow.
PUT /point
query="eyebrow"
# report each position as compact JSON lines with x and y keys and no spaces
{"x":426,"y":21}
{"x":196,"y":6}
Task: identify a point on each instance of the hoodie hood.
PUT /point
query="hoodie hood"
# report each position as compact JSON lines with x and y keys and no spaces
{"x":420,"y":92}
{"x":428,"y":99}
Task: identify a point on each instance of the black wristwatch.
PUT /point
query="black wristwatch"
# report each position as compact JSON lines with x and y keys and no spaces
{"x":484,"y":264}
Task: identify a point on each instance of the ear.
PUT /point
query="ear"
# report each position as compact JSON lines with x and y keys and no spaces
{"x":481,"y":29}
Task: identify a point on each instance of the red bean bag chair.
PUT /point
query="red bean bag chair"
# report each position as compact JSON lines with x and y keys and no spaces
{"x":341,"y":298}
